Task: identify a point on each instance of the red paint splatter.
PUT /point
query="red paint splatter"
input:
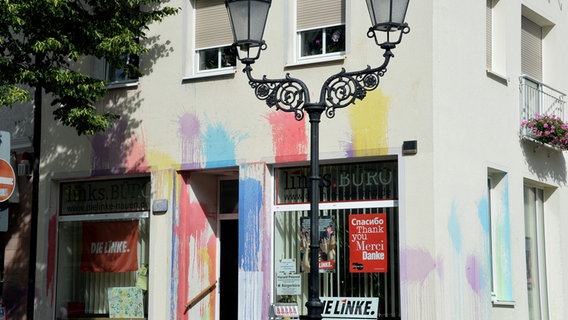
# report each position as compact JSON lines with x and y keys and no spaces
{"x":288,"y":136}
{"x":136,"y":160}
{"x":193,"y":222}
{"x":181,"y":234}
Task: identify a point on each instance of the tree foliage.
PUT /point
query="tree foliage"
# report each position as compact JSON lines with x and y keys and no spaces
{"x":40,"y":40}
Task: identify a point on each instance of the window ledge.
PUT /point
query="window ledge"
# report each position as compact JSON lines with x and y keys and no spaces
{"x":209,"y":74}
{"x":318,"y":59}
{"x":498,"y":76}
{"x":122,"y":84}
{"x":503,"y":303}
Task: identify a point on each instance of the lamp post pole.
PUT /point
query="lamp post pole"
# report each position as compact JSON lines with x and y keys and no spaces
{"x":248,"y":19}
{"x":314,"y":304}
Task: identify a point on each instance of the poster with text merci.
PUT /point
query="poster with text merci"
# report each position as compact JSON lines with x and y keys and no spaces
{"x":368,"y":243}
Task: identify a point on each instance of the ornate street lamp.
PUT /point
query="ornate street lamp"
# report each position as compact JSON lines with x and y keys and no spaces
{"x":248,"y":19}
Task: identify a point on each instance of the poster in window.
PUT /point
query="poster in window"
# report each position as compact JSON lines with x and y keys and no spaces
{"x":110,"y":246}
{"x":368,"y":243}
{"x":328,"y":247}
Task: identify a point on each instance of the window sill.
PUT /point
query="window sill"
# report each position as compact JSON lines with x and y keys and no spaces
{"x":316,"y":59}
{"x":210,"y":74}
{"x":498,"y":76}
{"x":122,"y":84}
{"x":503,"y":303}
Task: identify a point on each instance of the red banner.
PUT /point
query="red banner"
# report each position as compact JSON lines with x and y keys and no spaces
{"x":368,"y":243}
{"x":110,"y":246}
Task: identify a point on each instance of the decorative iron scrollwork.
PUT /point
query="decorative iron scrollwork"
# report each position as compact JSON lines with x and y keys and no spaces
{"x":338,"y":91}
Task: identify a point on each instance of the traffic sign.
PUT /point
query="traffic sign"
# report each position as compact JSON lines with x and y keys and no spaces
{"x":7,"y":180}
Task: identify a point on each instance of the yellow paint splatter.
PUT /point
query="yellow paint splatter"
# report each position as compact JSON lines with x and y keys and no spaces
{"x":159,"y":160}
{"x":369,"y":125}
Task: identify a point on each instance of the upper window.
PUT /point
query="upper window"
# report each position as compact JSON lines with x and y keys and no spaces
{"x":213,"y":37}
{"x":496,"y":38}
{"x":531,"y":48}
{"x":320,"y":28}
{"x":116,"y":75}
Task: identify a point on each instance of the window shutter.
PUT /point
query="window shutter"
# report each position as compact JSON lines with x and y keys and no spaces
{"x":212,"y":26}
{"x":531,"y":49}
{"x":313,"y":14}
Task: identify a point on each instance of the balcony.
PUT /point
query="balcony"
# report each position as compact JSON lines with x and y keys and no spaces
{"x":537,"y":101}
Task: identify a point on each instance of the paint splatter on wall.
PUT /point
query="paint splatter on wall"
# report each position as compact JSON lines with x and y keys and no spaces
{"x":289,"y":137}
{"x":369,"y":125}
{"x":254,"y":243}
{"x":118,"y":150}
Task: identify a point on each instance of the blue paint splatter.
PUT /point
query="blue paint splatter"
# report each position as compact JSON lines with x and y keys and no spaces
{"x":250,"y":210}
{"x":219,"y":147}
{"x":454,"y":229}
{"x":505,"y":286}
{"x":483,"y":214}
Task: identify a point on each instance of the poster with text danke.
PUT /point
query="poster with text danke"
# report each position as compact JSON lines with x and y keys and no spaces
{"x":368,"y":243}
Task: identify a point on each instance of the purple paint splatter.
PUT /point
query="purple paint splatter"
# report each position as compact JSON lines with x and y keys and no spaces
{"x":473,"y":273}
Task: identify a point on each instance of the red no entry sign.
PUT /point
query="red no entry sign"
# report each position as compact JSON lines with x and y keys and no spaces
{"x":7,"y":180}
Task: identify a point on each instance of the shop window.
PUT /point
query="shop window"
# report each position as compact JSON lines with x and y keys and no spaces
{"x":535,"y":249}
{"x":358,"y":224}
{"x":320,"y":27}
{"x":103,"y":249}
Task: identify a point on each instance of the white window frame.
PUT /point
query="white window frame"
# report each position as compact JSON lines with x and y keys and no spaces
{"x":191,"y":61}
{"x":496,"y":33}
{"x":539,"y":234}
{"x":293,"y":55}
{"x":499,"y":233}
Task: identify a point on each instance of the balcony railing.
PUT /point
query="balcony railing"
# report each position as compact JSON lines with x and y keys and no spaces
{"x":538,"y":98}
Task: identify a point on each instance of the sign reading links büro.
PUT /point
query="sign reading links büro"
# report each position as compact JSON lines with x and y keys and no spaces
{"x":105,"y":196}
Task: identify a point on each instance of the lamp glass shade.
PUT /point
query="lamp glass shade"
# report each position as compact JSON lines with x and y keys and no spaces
{"x":387,"y":15}
{"x":248,"y":19}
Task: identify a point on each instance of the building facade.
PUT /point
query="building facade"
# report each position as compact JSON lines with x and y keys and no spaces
{"x":436,"y":203}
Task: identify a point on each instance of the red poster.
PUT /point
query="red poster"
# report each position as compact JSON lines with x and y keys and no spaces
{"x":368,"y":243}
{"x":110,"y":246}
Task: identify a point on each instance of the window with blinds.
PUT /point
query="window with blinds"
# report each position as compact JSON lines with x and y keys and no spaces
{"x":531,"y":49}
{"x":213,"y":36}
{"x":320,"y":26}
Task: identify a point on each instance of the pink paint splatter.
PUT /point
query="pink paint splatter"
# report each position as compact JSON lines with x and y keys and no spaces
{"x":181,"y":235}
{"x":419,"y":264}
{"x":288,"y":136}
{"x":118,"y":151}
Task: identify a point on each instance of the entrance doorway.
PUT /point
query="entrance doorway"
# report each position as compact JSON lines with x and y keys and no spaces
{"x":229,"y":249}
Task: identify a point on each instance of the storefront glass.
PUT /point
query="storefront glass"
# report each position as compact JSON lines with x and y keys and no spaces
{"x":103,"y":249}
{"x":359,"y":253}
